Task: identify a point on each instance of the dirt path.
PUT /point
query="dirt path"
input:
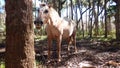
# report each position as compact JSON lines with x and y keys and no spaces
{"x":93,"y":53}
{"x":96,"y":54}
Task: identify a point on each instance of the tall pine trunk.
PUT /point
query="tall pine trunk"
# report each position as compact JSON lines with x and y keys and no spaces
{"x":106,"y":23}
{"x":19,"y":34}
{"x":117,"y":19}
{"x":96,"y":17}
{"x":90,"y":21}
{"x":71,"y":5}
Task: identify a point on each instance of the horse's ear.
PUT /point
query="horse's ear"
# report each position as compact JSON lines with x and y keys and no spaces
{"x":50,"y":5}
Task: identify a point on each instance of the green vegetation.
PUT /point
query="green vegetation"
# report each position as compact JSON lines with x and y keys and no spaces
{"x":2,"y":64}
{"x":38,"y":37}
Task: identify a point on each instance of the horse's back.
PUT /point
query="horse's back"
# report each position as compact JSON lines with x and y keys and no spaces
{"x":70,"y":22}
{"x":69,"y":28}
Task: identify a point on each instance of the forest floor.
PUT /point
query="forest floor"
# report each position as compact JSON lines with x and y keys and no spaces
{"x":91,"y":54}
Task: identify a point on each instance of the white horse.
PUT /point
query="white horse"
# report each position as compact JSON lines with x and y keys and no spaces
{"x":57,"y":28}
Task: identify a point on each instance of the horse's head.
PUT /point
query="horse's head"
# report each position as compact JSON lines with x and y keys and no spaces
{"x":44,"y":12}
{"x":42,"y":16}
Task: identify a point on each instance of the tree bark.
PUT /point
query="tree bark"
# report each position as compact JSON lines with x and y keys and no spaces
{"x":71,"y":5}
{"x":106,"y":23}
{"x":117,"y":19}
{"x":96,"y":17}
{"x":19,"y":34}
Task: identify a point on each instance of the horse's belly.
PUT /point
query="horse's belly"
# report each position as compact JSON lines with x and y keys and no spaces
{"x":54,"y":32}
{"x":67,"y":33}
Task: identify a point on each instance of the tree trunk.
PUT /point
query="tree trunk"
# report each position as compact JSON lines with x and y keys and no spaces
{"x":86,"y":23}
{"x":96,"y":17}
{"x":90,"y":18}
{"x":117,"y":19}
{"x":59,"y":7}
{"x":80,"y":5}
{"x":106,"y":23}
{"x":76,"y":14}
{"x":19,"y":34}
{"x":71,"y":2}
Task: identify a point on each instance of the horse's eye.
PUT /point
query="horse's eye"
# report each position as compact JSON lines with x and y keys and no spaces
{"x":38,"y":10}
{"x":34,"y":22}
{"x":43,"y":5}
{"x":46,"y":11}
{"x":41,"y":22}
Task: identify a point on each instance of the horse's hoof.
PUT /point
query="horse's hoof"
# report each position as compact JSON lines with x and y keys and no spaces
{"x":48,"y":61}
{"x":59,"y":60}
{"x":75,"y":52}
{"x":68,"y":53}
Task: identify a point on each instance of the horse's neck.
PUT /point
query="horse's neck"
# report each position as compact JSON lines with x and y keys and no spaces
{"x":54,"y":17}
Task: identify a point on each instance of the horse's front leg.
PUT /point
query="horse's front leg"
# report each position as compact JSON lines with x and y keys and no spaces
{"x":59,"y":40}
{"x":49,"y":48}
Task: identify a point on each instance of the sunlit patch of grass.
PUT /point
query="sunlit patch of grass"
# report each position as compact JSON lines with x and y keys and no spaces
{"x":39,"y":64}
{"x":102,"y":38}
{"x":99,"y":37}
{"x":2,"y":65}
{"x":2,"y":38}
{"x":38,"y":38}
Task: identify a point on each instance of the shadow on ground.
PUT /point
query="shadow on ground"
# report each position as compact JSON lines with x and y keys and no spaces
{"x":94,"y":52}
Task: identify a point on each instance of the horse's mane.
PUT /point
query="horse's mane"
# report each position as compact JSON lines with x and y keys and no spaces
{"x":53,"y":13}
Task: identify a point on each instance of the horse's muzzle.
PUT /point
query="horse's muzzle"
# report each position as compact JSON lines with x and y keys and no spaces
{"x":38,"y":22}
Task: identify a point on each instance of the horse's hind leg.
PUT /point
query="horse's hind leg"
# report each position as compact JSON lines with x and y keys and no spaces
{"x":74,"y":41}
{"x":69,"y":43}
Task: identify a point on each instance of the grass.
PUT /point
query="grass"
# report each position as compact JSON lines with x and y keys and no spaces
{"x":99,"y":37}
{"x":2,"y":38}
{"x":38,"y":38}
{"x":38,"y":64}
{"x":2,"y":65}
{"x":43,"y":37}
